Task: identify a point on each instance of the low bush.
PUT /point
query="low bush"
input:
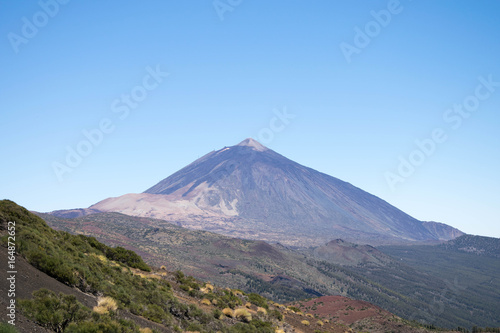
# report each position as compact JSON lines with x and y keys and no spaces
{"x":258,"y":300}
{"x":52,"y":311}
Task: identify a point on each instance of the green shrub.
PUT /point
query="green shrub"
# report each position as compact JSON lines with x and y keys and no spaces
{"x":195,"y":293}
{"x":217,"y":313}
{"x":276,"y":315}
{"x":128,"y":257}
{"x":194,"y":327}
{"x":258,"y":300}
{"x":104,"y":325}
{"x":53,"y":311}
{"x":157,"y":314}
{"x":8,"y":328}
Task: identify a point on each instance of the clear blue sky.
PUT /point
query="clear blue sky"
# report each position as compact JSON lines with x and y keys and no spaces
{"x":67,"y":68}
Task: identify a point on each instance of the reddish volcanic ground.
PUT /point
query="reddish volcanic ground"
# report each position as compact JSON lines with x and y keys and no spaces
{"x":342,"y":309}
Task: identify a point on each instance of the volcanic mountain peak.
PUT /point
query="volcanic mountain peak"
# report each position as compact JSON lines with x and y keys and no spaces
{"x":250,"y":191}
{"x":249,"y":142}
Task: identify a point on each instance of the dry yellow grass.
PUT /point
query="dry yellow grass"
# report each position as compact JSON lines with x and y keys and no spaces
{"x":145,"y":330}
{"x":305,"y":322}
{"x":243,"y":314}
{"x":228,"y":312}
{"x":279,"y":330}
{"x":309,"y":315}
{"x":206,"y":301}
{"x":237,"y":292}
{"x":214,"y":302}
{"x":320,"y":323}
{"x":102,"y":258}
{"x":248,"y":305}
{"x":261,"y":310}
{"x":105,"y":304}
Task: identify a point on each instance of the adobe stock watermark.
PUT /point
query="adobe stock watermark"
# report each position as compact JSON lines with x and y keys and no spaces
{"x":94,"y":137}
{"x":454,"y":117}
{"x":223,"y":6}
{"x":11,"y":272}
{"x":31,"y":26}
{"x":373,"y":28}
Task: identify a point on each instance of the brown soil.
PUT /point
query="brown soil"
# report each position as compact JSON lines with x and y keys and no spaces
{"x":347,"y":315}
{"x":342,"y":309}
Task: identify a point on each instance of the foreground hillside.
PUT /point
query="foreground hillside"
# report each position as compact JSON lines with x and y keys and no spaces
{"x":284,"y":275}
{"x":90,"y":287}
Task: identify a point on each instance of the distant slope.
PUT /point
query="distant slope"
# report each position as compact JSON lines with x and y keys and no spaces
{"x":442,"y":231}
{"x":349,"y":254}
{"x":469,"y":265}
{"x":479,"y":245}
{"x":277,"y":272}
{"x":252,"y":192}
{"x":72,"y":213}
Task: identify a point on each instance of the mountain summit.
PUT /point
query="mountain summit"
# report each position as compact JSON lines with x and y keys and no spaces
{"x":253,"y":144}
{"x":250,"y":191}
